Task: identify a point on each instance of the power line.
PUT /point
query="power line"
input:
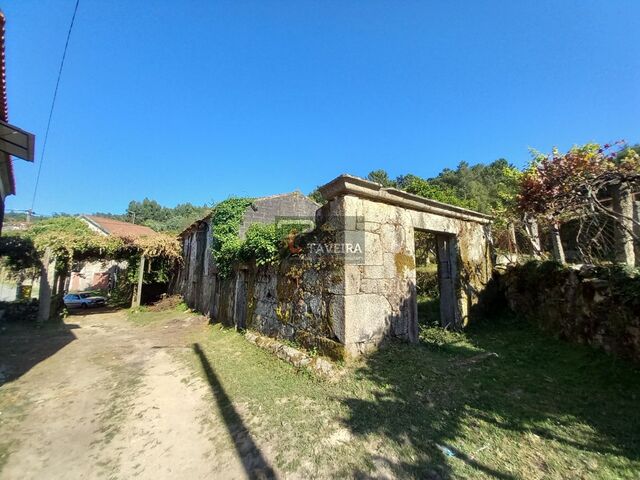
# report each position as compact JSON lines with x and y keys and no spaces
{"x":53,"y":103}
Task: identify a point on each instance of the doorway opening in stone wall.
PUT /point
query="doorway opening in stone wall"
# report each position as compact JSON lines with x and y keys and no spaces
{"x":435,"y":278}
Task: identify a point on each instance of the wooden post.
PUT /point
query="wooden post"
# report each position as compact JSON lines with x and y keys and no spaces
{"x":47,"y":273}
{"x":446,"y":281}
{"x":558,"y":250}
{"x":623,"y":206}
{"x":137,"y":294}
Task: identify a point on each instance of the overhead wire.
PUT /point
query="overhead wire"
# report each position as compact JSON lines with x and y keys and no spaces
{"x":53,"y":103}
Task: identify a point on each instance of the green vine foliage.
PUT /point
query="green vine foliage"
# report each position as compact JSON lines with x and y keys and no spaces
{"x":264,"y":244}
{"x":226,"y":218}
{"x":70,"y":239}
{"x":18,"y":255}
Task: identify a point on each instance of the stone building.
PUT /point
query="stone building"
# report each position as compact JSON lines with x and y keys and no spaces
{"x":350,"y":283}
{"x":197,"y":280}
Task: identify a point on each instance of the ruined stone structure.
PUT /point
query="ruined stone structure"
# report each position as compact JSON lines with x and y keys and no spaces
{"x":197,"y":280}
{"x":588,"y":305}
{"x":350,"y":283}
{"x":379,"y":296}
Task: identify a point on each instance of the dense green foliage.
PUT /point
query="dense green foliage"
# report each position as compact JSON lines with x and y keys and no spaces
{"x":18,"y":254}
{"x":263,"y":243}
{"x":70,"y":240}
{"x":486,"y":188}
{"x":434,"y":191}
{"x":226,"y":218}
{"x":162,"y":219}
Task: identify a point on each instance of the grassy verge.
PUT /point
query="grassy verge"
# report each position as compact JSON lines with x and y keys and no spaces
{"x":500,"y":401}
{"x":142,"y":316}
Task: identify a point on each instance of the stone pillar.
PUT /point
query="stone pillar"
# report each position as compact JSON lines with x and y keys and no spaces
{"x":636,"y":230}
{"x":47,"y":273}
{"x":623,"y":207}
{"x":531,"y":226}
{"x":558,"y":250}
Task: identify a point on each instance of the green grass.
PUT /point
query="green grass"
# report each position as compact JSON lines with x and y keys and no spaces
{"x":499,"y":401}
{"x":142,"y":316}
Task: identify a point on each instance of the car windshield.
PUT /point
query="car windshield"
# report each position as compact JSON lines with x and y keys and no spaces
{"x":85,"y":295}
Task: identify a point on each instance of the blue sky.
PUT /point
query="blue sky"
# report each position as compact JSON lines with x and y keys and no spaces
{"x":199,"y":100}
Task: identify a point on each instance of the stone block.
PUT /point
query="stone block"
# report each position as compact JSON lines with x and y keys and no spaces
{"x":373,"y":249}
{"x":351,"y":279}
{"x":367,"y":317}
{"x":373,"y":271}
{"x":376,"y":212}
{"x":336,"y":316}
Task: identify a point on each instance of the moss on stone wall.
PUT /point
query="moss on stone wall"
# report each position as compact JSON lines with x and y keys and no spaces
{"x":599,"y":306}
{"x":404,"y":261}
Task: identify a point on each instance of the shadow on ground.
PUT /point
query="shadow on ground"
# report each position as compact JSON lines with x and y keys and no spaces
{"x":23,"y":346}
{"x":93,"y":311}
{"x":439,"y":398}
{"x":253,"y":461}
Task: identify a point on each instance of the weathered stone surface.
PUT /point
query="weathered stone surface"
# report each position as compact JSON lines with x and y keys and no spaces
{"x":576,"y":305}
{"x":369,"y":316}
{"x":373,"y":249}
{"x":297,"y":358}
{"x":330,"y":298}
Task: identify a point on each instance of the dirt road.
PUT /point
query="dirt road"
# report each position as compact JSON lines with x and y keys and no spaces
{"x":106,"y":398}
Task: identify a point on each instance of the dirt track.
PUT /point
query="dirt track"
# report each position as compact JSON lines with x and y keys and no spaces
{"x":104,"y":398}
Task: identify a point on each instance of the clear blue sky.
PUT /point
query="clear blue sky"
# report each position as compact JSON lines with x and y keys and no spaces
{"x":197,"y":101}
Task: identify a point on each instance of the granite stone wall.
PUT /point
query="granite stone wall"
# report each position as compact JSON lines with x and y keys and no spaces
{"x":343,"y":304}
{"x":268,"y":209}
{"x":589,"y":305}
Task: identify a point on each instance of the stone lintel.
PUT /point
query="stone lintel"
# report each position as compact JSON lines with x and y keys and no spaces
{"x":359,"y":187}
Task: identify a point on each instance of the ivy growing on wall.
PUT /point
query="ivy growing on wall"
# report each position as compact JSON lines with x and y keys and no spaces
{"x":263,"y":243}
{"x":226,"y":218}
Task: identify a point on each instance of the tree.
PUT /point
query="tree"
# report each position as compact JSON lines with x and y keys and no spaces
{"x":561,"y":186}
{"x":381,"y":177}
{"x":428,"y":189}
{"x":317,"y":197}
{"x":164,"y":219}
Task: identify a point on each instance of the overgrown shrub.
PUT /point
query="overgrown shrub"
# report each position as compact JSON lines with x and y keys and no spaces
{"x":263,"y":243}
{"x":427,"y":280}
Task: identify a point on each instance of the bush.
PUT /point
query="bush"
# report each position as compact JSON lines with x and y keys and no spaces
{"x":427,"y":280}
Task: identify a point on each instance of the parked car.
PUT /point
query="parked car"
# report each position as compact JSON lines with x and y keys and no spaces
{"x":83,"y":300}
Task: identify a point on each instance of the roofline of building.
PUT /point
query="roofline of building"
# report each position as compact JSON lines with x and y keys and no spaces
{"x":277,"y":195}
{"x":359,"y":187}
{"x":87,"y":219}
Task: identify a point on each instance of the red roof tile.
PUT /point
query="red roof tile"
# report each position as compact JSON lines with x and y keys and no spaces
{"x":117,"y":228}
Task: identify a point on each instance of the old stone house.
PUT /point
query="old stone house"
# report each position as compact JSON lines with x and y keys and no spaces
{"x":103,"y":274}
{"x":351,"y":282}
{"x":197,"y":280}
